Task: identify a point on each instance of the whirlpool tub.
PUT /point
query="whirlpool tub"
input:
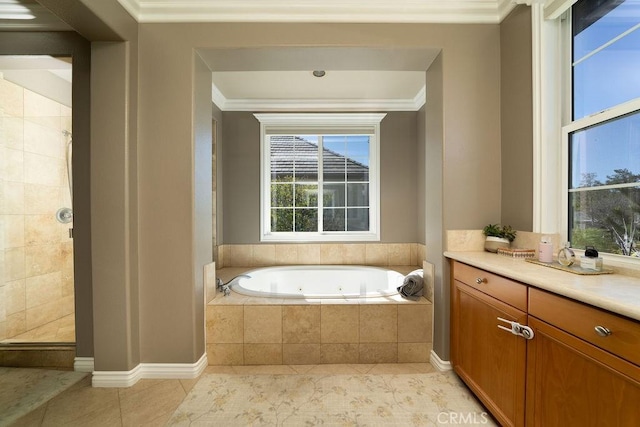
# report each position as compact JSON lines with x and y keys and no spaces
{"x":318,"y":281}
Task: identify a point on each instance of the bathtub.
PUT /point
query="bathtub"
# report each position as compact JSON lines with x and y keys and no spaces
{"x":318,"y":281}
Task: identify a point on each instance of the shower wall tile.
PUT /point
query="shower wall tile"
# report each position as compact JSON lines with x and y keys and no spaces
{"x":42,"y":229}
{"x":14,"y":264}
{"x":3,"y":330}
{"x":11,"y":98}
{"x":3,"y":310}
{"x":66,"y":256}
{"x":13,"y":198}
{"x":37,"y":256}
{"x":67,"y":305}
{"x":43,"y":289}
{"x":42,"y":140}
{"x":43,"y":314}
{"x":36,"y":105}
{"x":13,"y":133}
{"x":15,"y":296}
{"x":43,"y":170}
{"x":49,"y":122}
{"x":42,"y":259}
{"x":41,"y":199}
{"x":13,"y":231}
{"x":13,"y":165}
{"x":16,"y":323}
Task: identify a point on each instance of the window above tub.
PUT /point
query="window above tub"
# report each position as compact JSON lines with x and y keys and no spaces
{"x":320,"y":177}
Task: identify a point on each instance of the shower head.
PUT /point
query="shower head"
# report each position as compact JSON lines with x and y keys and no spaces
{"x":66,"y":133}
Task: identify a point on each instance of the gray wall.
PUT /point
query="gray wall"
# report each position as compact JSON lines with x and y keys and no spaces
{"x":516,"y":111}
{"x":241,"y":178}
{"x":154,"y":125}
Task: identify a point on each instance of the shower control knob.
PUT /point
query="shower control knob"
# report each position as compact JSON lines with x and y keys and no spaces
{"x":64,"y":215}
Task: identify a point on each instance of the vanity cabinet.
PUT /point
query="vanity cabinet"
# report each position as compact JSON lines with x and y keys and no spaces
{"x":580,"y":367}
{"x":490,"y":360}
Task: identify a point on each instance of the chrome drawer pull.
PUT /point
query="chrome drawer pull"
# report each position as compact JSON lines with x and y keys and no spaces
{"x":480,"y":280}
{"x":602,"y":331}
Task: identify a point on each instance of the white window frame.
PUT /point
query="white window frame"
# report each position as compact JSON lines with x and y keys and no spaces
{"x":296,"y":123}
{"x":552,"y":110}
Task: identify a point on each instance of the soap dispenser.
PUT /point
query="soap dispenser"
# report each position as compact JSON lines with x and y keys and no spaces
{"x":545,"y":250}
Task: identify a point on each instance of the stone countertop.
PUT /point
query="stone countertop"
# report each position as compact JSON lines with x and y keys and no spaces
{"x":614,"y":292}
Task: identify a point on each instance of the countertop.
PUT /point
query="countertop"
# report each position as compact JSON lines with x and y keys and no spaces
{"x":614,"y":292}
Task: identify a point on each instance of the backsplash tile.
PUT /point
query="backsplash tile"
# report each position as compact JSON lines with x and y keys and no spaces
{"x":375,"y":254}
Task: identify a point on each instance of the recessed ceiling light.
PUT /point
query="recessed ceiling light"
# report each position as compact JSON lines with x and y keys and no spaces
{"x":319,"y":73}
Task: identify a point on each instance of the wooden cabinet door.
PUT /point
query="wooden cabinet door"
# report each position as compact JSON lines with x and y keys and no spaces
{"x":491,"y":361}
{"x":573,"y":383}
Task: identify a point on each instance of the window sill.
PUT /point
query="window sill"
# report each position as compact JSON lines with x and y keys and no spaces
{"x":319,"y":237}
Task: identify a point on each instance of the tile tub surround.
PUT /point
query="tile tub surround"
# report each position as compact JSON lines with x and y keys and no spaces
{"x":375,"y":254}
{"x":272,"y":331}
{"x":36,"y":253}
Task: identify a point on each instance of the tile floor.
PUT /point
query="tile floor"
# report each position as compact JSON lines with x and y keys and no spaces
{"x":153,"y":402}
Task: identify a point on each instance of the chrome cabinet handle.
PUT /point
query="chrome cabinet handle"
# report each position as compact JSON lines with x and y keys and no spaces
{"x":480,"y":280}
{"x":602,"y":331}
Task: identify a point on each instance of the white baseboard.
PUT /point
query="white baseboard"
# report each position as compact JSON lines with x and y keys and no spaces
{"x":439,"y":364}
{"x":149,"y":371}
{"x":83,"y":364}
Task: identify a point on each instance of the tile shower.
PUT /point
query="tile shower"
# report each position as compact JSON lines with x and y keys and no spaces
{"x":36,"y":252}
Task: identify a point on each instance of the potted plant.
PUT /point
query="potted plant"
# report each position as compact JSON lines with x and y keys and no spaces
{"x":498,"y":237}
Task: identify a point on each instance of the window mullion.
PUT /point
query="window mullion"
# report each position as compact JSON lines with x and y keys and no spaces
{"x":320,"y":184}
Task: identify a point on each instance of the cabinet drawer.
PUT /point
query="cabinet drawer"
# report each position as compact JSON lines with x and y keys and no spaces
{"x":582,"y":320}
{"x":501,"y":288}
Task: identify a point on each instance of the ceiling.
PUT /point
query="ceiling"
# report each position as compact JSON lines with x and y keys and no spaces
{"x":282,"y":79}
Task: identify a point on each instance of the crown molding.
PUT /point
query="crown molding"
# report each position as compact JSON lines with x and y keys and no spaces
{"x":225,"y":104}
{"x":337,"y":11}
